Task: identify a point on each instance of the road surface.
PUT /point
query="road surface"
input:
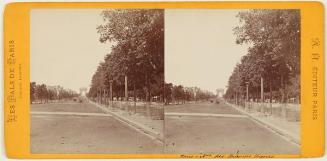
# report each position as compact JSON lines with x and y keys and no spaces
{"x":83,"y":128}
{"x":220,"y":129}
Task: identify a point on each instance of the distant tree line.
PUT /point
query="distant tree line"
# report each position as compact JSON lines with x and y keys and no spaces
{"x":137,"y":54}
{"x":179,"y":94}
{"x":274,"y":56}
{"x":42,"y":93}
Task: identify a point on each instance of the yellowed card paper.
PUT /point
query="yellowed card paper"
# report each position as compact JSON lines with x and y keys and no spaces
{"x":164,"y":80}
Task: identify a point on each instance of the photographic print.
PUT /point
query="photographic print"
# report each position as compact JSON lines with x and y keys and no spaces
{"x":165,"y":80}
{"x":174,"y":81}
{"x":232,"y":81}
{"x":97,"y":78}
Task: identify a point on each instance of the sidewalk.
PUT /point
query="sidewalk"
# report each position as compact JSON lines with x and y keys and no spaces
{"x":149,"y":126}
{"x":288,"y":129}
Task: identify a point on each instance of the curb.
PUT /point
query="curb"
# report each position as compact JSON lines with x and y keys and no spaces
{"x":202,"y":114}
{"x":144,"y":129}
{"x":70,"y":113}
{"x":278,"y":130}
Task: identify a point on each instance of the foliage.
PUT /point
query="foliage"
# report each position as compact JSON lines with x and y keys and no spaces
{"x":138,"y":38}
{"x":43,"y":93}
{"x":178,"y":93}
{"x":274,"y":54}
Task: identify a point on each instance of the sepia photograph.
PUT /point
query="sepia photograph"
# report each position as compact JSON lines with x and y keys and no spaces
{"x":173,"y":81}
{"x":96,"y":81}
{"x":232,"y":81}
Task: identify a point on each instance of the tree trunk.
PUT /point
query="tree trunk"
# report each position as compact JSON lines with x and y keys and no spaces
{"x":282,"y":89}
{"x":148,"y":88}
{"x":126,"y":88}
{"x":134,"y":93}
{"x":262,"y":97}
{"x":270,"y":100}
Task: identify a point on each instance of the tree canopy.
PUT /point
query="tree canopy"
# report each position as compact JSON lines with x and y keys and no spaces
{"x":274,"y":54}
{"x":138,"y":52}
{"x":180,"y":94}
{"x":43,"y":93}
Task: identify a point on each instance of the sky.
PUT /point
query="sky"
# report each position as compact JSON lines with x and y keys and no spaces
{"x":200,"y":48}
{"x":65,"y":47}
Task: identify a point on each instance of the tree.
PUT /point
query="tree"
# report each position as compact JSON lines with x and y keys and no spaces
{"x":274,"y":54}
{"x":32,"y":91}
{"x":179,"y":93}
{"x":138,"y":38}
{"x":168,"y":93}
{"x":42,"y":93}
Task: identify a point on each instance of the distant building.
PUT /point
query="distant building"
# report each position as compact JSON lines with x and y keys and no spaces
{"x":83,"y":91}
{"x":220,"y":92}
